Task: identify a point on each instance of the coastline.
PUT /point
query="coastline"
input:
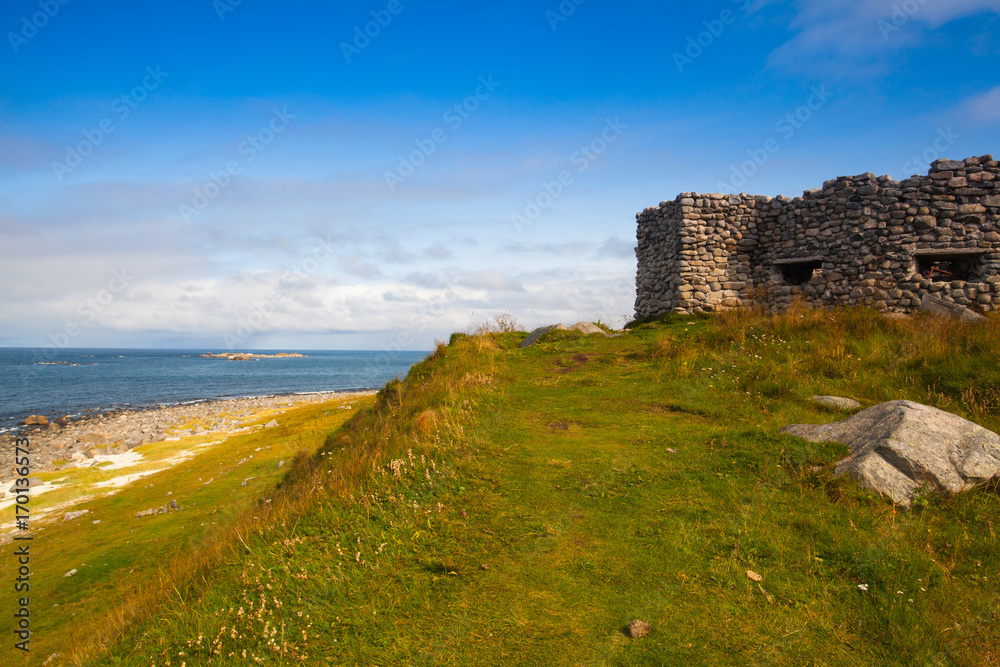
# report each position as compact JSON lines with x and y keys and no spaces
{"x":79,"y":415}
{"x":132,"y":379}
{"x":114,"y":432}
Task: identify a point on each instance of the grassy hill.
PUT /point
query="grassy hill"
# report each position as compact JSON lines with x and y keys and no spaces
{"x":507,"y":506}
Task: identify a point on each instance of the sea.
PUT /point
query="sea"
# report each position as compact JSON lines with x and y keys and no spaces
{"x":76,"y":381}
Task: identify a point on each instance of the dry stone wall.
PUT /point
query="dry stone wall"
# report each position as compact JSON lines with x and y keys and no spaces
{"x":858,"y":240}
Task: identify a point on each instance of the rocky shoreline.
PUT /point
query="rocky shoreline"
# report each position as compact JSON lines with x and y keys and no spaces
{"x":249,"y":356}
{"x":75,"y":442}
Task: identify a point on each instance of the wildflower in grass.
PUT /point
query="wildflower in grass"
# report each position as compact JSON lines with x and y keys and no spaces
{"x":862,"y":587}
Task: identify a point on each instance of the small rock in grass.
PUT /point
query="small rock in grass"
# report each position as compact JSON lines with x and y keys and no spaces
{"x":73,"y":515}
{"x":70,"y":573}
{"x":173,"y":504}
{"x":587,"y":328}
{"x":281,"y":463}
{"x":638,"y":629}
{"x":836,"y":402}
{"x":271,"y":424}
{"x":244,"y":482}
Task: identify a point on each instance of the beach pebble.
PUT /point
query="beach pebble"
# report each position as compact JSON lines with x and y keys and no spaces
{"x":32,"y":483}
{"x":92,"y":438}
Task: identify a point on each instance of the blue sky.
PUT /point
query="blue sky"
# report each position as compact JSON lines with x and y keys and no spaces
{"x":259,"y":174}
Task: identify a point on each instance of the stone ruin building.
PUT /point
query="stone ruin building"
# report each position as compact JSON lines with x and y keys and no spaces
{"x":858,"y":240}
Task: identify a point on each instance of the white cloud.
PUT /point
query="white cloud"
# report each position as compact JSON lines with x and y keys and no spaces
{"x":423,"y":260}
{"x":986,"y":106}
{"x":854,"y":36}
{"x":618,"y":248}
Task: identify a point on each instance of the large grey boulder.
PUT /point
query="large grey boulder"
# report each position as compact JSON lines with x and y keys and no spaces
{"x":901,"y":446}
{"x":585,"y":328}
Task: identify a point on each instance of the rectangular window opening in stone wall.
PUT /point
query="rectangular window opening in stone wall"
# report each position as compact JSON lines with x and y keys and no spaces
{"x":798,"y":271}
{"x":949,"y":266}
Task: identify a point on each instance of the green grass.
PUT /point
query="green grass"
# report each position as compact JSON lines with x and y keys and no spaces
{"x":123,"y":563}
{"x":507,"y":506}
